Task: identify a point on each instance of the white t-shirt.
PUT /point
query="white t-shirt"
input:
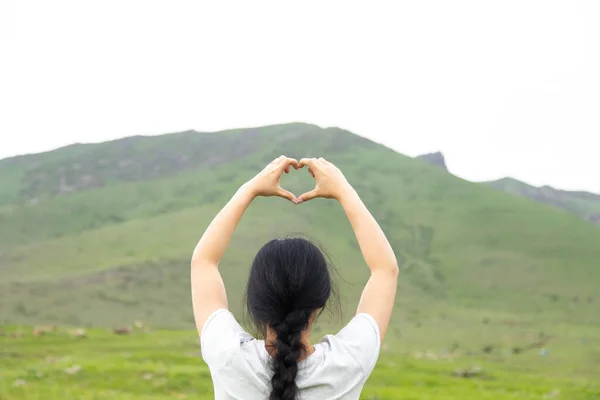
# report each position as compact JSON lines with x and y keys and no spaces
{"x":338,"y":368}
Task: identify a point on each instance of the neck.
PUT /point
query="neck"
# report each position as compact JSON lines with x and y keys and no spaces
{"x":307,"y":348}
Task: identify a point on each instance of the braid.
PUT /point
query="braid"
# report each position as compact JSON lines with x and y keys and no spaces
{"x":289,"y":350}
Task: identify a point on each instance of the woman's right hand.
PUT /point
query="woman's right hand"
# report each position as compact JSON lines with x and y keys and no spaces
{"x":330,"y":181}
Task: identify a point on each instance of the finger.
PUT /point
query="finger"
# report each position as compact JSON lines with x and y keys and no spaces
{"x":311,"y":172}
{"x":286,"y":194}
{"x":310,"y":162}
{"x":308,"y":196}
{"x":288,"y":162}
{"x":276,"y":160}
{"x":324,"y":160}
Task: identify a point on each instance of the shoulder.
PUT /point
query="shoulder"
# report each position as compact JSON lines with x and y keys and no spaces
{"x":360,"y":339}
{"x":359,"y":322}
{"x":221,"y":337}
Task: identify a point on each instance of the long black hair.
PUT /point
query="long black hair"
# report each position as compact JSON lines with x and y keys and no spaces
{"x":289,"y":281}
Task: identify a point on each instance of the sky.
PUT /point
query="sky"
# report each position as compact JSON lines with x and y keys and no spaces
{"x":508,"y":88}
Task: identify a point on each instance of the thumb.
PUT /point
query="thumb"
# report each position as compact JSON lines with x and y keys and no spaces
{"x":308,"y":196}
{"x":286,"y":194}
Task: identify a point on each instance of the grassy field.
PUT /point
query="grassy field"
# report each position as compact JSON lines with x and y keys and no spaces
{"x":167,"y":365}
{"x":100,"y":235}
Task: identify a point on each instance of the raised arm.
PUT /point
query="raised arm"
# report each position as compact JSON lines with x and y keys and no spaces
{"x":379,"y":293}
{"x":208,"y":290}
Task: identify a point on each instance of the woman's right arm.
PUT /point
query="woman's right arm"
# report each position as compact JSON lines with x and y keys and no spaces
{"x":379,"y":293}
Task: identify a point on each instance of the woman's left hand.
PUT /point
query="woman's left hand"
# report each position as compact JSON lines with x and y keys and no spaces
{"x":267,"y":182}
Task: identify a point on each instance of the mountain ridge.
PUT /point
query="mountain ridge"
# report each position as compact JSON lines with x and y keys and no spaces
{"x":585,"y":205}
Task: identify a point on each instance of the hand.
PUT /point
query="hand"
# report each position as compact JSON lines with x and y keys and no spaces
{"x":267,"y":182}
{"x":330,"y":182}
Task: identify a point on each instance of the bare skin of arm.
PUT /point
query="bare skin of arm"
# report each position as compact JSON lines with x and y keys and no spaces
{"x":379,"y":293}
{"x":208,"y":290}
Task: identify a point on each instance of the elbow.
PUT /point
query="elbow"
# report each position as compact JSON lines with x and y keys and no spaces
{"x":199,"y":259}
{"x":394,"y":270}
{"x":195,"y":261}
{"x":393,"y":267}
{"x":198,"y":262}
{"x":391,"y":270}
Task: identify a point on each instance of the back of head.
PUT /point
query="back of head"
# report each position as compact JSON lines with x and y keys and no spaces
{"x":289,"y":281}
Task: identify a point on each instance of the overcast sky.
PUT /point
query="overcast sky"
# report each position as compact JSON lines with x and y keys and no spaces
{"x":503,"y":88}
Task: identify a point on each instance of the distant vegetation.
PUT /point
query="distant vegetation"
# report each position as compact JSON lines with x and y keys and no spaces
{"x":100,"y":235}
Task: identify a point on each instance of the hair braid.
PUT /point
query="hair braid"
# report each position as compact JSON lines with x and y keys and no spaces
{"x":289,"y":350}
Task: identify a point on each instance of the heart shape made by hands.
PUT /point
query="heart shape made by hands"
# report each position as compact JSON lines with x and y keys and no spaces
{"x":305,"y":196}
{"x":283,"y":192}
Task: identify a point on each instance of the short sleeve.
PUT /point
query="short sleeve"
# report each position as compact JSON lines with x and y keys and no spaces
{"x":361,"y":338}
{"x":221,"y":337}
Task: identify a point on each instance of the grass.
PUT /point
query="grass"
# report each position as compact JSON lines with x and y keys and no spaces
{"x":165,"y":364}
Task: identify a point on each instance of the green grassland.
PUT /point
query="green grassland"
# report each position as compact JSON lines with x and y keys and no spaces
{"x":100,"y":235}
{"x":167,"y":365}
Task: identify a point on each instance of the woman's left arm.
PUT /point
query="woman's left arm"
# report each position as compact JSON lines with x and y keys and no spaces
{"x":208,"y":290}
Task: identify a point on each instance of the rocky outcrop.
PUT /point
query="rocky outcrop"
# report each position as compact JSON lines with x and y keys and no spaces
{"x":436,"y":159}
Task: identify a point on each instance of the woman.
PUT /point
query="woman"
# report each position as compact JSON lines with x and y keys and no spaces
{"x":289,"y":283}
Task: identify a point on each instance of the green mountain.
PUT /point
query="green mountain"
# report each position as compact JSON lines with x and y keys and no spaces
{"x":583,"y":204}
{"x":101,"y":234}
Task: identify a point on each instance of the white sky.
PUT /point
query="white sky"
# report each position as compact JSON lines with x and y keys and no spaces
{"x":503,"y":88}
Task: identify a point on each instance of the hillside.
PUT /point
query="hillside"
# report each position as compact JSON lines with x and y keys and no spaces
{"x":583,"y":204}
{"x":101,"y":234}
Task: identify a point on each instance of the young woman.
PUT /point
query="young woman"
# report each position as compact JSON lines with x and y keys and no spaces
{"x":289,"y":283}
